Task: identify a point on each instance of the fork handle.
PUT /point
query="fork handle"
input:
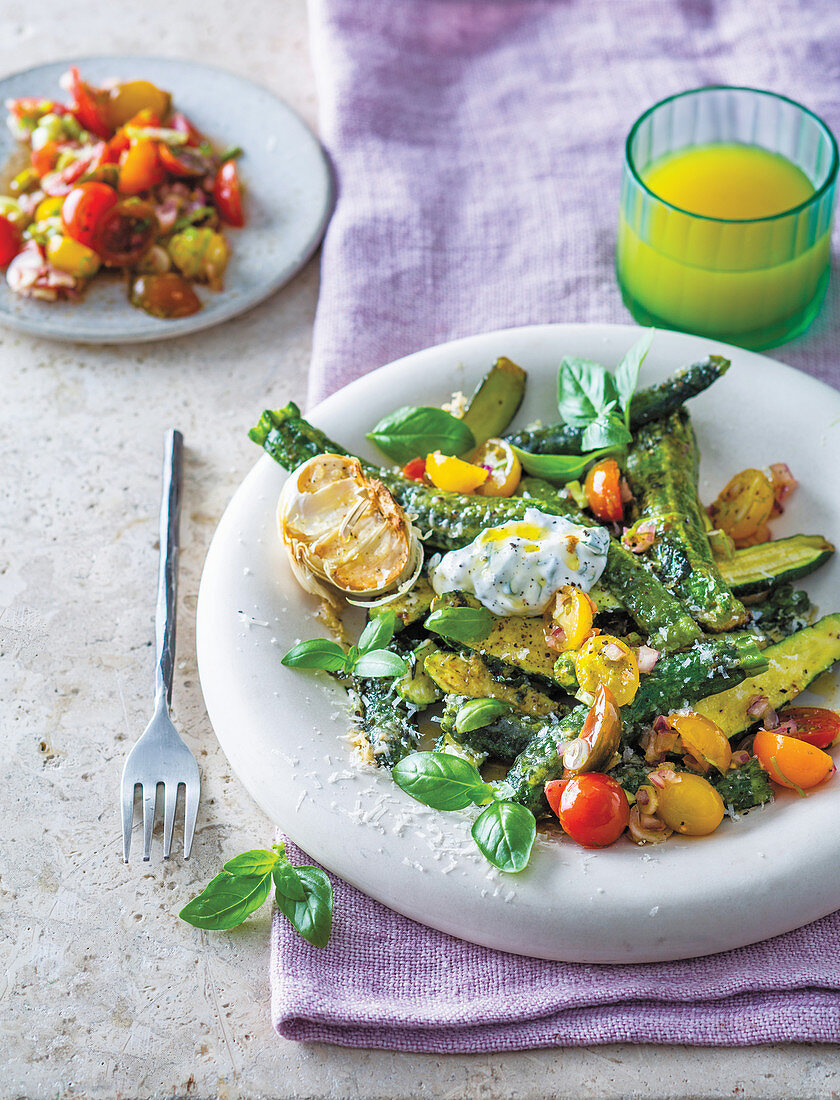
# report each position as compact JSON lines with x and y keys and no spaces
{"x":170,"y":516}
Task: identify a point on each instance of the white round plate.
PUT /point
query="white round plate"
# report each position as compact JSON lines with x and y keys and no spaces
{"x":282,"y":730}
{"x":287,"y":206}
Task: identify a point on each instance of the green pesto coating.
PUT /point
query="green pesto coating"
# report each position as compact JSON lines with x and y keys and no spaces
{"x":502,"y":739}
{"x":676,"y":681}
{"x":454,"y":520}
{"x":647,"y":404}
{"x":662,"y":469}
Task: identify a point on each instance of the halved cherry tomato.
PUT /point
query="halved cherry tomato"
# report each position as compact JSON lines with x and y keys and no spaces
{"x":415,"y":470}
{"x":140,"y":168}
{"x":453,"y":474}
{"x":125,"y":232}
{"x":44,"y":159}
{"x":227,"y":194}
{"x":599,"y":739}
{"x":89,"y":106}
{"x":593,"y":809}
{"x":183,"y":162}
{"x":690,"y":805}
{"x":165,"y":296}
{"x":126,"y":101}
{"x":10,"y":241}
{"x":505,"y":468}
{"x":84,"y":208}
{"x":603,"y":490}
{"x":816,"y":725}
{"x":744,"y":506}
{"x":553,"y":792}
{"x":703,"y":740}
{"x":791,"y":762}
{"x":567,"y":620}
{"x":608,"y":661}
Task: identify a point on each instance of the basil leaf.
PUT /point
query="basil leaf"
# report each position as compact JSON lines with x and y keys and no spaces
{"x":380,"y":662}
{"x":584,"y":389}
{"x":608,"y":430}
{"x":560,"y":468}
{"x":312,"y":914}
{"x":469,"y":625}
{"x":627,"y":372}
{"x":287,"y":883}
{"x":226,"y":901}
{"x":411,"y":432}
{"x":379,"y":631}
{"x":479,"y":712}
{"x":257,"y":862}
{"x":505,"y":833}
{"x":316,"y":653}
{"x":441,"y":780}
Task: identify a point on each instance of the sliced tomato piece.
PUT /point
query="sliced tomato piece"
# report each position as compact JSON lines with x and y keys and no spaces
{"x":227,"y":194}
{"x":179,"y":121}
{"x":415,"y":470}
{"x":594,"y":810}
{"x":10,"y":241}
{"x":125,"y":232}
{"x":89,"y":106}
{"x":44,"y":159}
{"x":183,"y":162}
{"x":140,"y":168}
{"x":816,"y":725}
{"x":166,"y":296}
{"x":603,"y":490}
{"x":84,"y":208}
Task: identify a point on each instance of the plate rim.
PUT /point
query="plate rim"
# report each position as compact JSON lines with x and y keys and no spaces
{"x":653,"y":952}
{"x":201,"y":321}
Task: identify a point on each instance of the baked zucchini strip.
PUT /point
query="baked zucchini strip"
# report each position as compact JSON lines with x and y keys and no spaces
{"x":677,"y":681}
{"x":387,"y":721}
{"x":468,"y":674}
{"x":648,"y":404}
{"x":757,"y":568}
{"x":454,"y":520}
{"x":502,"y":739}
{"x":662,"y":469}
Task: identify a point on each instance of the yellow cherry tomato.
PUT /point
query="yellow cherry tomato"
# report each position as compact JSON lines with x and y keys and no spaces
{"x":568,"y":619}
{"x":453,"y":474}
{"x":49,"y":208}
{"x":744,"y":506}
{"x":71,"y":256}
{"x":606,"y":661}
{"x":133,"y":96}
{"x":505,"y":468}
{"x":703,"y":740}
{"x":690,"y":805}
{"x":791,"y":762}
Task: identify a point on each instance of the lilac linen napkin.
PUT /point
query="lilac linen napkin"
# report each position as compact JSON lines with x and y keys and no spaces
{"x":478,"y":148}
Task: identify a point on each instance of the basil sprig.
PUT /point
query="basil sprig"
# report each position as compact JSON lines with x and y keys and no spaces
{"x":368,"y":657}
{"x":560,"y":468}
{"x":504,"y":832}
{"x":479,"y":712}
{"x":303,"y":895}
{"x":590,"y":397}
{"x":413,"y":431}
{"x":469,"y":625}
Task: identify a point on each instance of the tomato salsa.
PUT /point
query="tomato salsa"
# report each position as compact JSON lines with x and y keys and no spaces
{"x":119,"y":180}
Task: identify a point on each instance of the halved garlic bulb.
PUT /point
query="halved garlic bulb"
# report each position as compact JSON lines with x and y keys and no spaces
{"x":346,"y":529}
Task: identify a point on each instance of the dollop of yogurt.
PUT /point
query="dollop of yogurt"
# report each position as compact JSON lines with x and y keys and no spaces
{"x":515,"y":568}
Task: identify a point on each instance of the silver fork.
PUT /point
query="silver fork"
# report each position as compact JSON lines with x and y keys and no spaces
{"x":160,"y":756}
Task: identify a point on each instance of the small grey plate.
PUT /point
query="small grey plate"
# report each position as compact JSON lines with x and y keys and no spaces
{"x":287,"y":204}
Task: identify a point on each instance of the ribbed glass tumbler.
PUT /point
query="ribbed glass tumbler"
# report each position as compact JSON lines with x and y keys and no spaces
{"x":755,"y":282}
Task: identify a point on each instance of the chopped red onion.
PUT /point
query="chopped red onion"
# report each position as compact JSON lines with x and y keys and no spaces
{"x":757,"y":706}
{"x":640,"y":538}
{"x":613,"y":652}
{"x":646,"y":658}
{"x":783,"y":483}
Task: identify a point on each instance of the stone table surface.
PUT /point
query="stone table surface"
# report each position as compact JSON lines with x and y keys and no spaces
{"x":103,"y":991}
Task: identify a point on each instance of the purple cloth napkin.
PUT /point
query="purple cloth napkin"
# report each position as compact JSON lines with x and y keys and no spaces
{"x":478,"y":150}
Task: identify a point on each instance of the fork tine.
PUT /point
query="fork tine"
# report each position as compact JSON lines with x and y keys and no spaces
{"x":170,"y":801}
{"x":192,"y":792}
{"x":149,"y":798}
{"x":127,"y":815}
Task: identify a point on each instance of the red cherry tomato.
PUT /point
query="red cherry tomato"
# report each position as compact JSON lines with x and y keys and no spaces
{"x":816,"y":725}
{"x":125,"y":232}
{"x":415,"y":470}
{"x":227,"y":193}
{"x":44,"y":159}
{"x":594,"y":810}
{"x":89,"y":106}
{"x":603,"y":490}
{"x":9,"y":241}
{"x":84,"y":208}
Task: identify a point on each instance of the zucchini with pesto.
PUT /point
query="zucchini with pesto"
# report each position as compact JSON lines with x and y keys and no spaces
{"x":556,"y":626}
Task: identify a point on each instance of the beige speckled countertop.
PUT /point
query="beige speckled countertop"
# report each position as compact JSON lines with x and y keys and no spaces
{"x":103,"y":991}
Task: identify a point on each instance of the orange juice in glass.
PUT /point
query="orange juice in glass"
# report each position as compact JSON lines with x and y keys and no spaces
{"x":726,"y":210}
